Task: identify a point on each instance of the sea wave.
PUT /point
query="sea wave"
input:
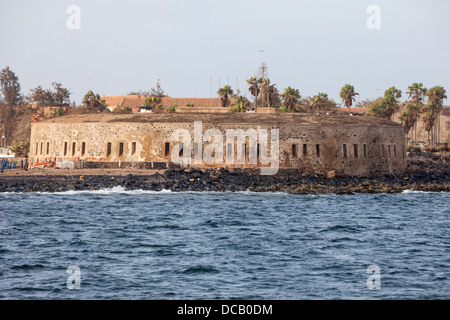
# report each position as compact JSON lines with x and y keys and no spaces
{"x":122,"y":190}
{"x":417,"y":191}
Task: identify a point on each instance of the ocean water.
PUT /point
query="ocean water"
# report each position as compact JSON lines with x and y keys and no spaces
{"x":165,"y":245}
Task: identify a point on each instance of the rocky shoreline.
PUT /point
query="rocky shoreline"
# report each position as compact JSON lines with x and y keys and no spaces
{"x":417,"y":177}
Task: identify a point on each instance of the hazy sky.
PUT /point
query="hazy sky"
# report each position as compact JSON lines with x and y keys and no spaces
{"x":315,"y":46}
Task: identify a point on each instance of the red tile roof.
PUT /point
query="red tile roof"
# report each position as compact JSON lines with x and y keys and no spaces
{"x":135,"y":101}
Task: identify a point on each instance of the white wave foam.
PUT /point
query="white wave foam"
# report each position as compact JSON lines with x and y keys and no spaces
{"x":109,"y":191}
{"x":122,"y":190}
{"x":417,"y":191}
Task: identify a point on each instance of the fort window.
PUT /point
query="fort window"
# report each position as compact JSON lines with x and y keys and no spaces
{"x":344,"y":147}
{"x":166,"y":149}
{"x":229,"y":150}
{"x":42,"y":148}
{"x":120,"y":149}
{"x":37,"y":146}
{"x":389,"y":150}
{"x":73,"y":148}
{"x":83,"y":148}
{"x":244,"y":150}
{"x":133,"y":148}
{"x":48,"y":147}
{"x":383,"y":151}
{"x":258,"y":150}
{"x":305,"y":150}
{"x":65,"y":148}
{"x":395,"y":151}
{"x":294,"y":151}
{"x":365,"y":150}
{"x":180,"y":153}
{"x":195,"y":149}
{"x":355,"y":150}
{"x":108,"y":149}
{"x":318,"y":150}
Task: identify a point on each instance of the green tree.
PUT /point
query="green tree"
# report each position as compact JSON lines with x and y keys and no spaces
{"x":269,"y":93}
{"x":10,"y":94}
{"x":391,"y":97}
{"x":347,"y":95}
{"x":58,"y":97}
{"x":155,"y":103}
{"x":41,"y":98}
{"x":436,"y":96}
{"x":21,"y":150}
{"x":429,"y":119}
{"x":93,"y":103}
{"x":410,"y":116}
{"x":416,"y":95}
{"x":61,"y":96}
{"x":320,"y":102}
{"x":254,"y":89}
{"x":241,"y":104}
{"x":387,"y":106}
{"x":290,"y":98}
{"x":225,"y":94}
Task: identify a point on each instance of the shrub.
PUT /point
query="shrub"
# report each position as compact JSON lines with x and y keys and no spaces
{"x":123,"y":109}
{"x":58,"y":112}
{"x":172,"y":108}
{"x":413,"y":149}
{"x":284,"y":109}
{"x":238,"y":108}
{"x":21,"y":150}
{"x":442,"y":148}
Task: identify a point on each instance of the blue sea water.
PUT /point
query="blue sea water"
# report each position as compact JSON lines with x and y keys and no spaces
{"x":187,"y":245}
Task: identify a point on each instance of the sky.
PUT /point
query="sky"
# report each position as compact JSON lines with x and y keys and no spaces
{"x":192,"y":46}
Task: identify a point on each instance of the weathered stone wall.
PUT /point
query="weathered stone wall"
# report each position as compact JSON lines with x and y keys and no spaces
{"x":420,"y":134}
{"x":314,"y":146}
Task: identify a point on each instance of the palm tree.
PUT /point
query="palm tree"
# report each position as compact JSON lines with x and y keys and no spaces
{"x":225,"y":94}
{"x":416,"y":93}
{"x":93,"y":103}
{"x":319,"y":101}
{"x":269,"y":92}
{"x":436,"y":96}
{"x":254,"y":88}
{"x":241,"y":104}
{"x":410,"y":116}
{"x":390,"y":100}
{"x":290,"y":97}
{"x":348,"y":95}
{"x":429,"y":119}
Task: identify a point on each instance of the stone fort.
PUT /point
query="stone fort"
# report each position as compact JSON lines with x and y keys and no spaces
{"x":315,"y":144}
